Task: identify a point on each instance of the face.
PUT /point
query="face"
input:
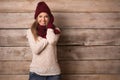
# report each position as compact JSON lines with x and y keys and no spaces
{"x":43,"y":19}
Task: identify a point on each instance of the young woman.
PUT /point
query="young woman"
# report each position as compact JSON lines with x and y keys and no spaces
{"x":42,"y":38}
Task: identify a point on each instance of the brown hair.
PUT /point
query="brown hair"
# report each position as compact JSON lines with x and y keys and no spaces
{"x":34,"y":29}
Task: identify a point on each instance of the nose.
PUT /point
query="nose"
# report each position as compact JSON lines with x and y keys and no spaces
{"x":43,"y":18}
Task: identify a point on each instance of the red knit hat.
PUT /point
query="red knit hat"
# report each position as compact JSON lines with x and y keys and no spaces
{"x":42,"y":7}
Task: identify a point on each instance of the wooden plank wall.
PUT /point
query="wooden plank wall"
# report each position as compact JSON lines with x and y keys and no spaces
{"x":89,"y":46}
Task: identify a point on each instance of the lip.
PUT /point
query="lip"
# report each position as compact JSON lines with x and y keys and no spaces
{"x":42,"y":22}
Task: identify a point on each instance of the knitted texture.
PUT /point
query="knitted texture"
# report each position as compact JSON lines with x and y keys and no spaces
{"x":42,"y":7}
{"x":44,"y":60}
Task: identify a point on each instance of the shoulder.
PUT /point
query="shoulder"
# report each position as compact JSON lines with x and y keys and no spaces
{"x":28,"y":30}
{"x":29,"y":33}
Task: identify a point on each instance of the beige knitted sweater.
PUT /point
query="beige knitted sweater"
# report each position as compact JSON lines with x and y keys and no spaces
{"x":44,"y":51}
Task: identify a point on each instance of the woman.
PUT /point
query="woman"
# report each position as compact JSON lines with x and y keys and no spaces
{"x":42,"y":38}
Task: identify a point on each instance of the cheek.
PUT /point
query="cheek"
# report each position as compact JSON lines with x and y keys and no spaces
{"x":47,"y":20}
{"x":38,"y":19}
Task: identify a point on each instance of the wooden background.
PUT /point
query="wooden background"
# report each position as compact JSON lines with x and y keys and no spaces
{"x":89,"y":46}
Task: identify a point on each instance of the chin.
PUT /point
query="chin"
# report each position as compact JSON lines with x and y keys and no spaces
{"x":43,"y":24}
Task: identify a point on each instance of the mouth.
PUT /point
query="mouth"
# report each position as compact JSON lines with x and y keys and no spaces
{"x":42,"y":22}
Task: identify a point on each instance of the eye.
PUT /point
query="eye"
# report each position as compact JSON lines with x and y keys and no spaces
{"x":46,"y":16}
{"x":40,"y":16}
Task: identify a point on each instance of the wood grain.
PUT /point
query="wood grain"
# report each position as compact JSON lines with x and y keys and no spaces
{"x":65,"y":53}
{"x":66,"y":77}
{"x":14,"y":77}
{"x":69,"y":36}
{"x":88,"y":53}
{"x":67,"y":67}
{"x":63,"y":20}
{"x":89,"y":45}
{"x":91,"y":77}
{"x":15,"y":53}
{"x":62,"y":5}
{"x":87,"y":67}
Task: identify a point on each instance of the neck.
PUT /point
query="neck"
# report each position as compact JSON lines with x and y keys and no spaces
{"x":41,"y":26}
{"x":41,"y":30}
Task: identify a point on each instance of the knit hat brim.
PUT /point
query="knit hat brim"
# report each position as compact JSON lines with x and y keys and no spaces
{"x":42,"y":7}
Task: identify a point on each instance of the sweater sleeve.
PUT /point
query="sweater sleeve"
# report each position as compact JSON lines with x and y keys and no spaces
{"x":36,"y":46}
{"x":52,"y":38}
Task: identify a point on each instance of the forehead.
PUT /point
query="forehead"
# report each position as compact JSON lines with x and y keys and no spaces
{"x":43,"y":13}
